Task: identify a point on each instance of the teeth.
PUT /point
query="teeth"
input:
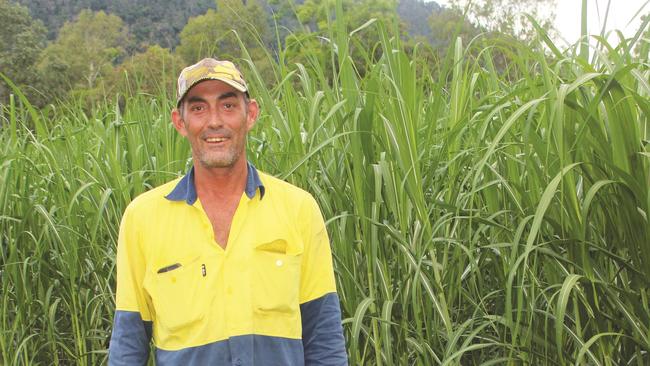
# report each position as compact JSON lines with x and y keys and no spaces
{"x":215,"y":139}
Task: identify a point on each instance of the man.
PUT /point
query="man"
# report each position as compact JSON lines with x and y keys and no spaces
{"x":227,"y":265}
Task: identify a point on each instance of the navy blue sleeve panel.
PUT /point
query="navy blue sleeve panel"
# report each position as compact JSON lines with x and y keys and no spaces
{"x":322,"y":332}
{"x":130,"y":339}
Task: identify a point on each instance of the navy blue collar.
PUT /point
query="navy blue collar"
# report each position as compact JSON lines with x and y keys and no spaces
{"x":186,"y":191}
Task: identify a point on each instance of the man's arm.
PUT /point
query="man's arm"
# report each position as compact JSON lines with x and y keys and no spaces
{"x":132,"y":322}
{"x":129,"y":340}
{"x":322,"y":332}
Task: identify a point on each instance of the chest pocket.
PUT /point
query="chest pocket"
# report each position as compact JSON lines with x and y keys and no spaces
{"x":182,"y":293}
{"x":276,"y":277}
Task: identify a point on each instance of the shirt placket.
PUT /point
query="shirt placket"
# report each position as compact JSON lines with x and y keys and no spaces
{"x":241,"y":347}
{"x":241,"y":351}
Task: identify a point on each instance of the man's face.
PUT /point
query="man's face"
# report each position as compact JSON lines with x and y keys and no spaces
{"x":215,"y":118}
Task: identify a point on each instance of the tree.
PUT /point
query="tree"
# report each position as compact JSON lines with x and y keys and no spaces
{"x":447,"y":24}
{"x":21,"y":41}
{"x":153,"y":72}
{"x":318,"y":15}
{"x":216,"y":33}
{"x":415,"y":14}
{"x":507,"y":16}
{"x":199,"y":37}
{"x":318,"y":20}
{"x":83,"y":53}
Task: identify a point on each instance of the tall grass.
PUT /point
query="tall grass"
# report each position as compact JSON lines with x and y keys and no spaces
{"x":479,"y":214}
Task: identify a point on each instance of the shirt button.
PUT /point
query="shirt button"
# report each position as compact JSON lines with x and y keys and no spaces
{"x":278,"y":263}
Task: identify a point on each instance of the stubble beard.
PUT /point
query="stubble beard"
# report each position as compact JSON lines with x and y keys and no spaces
{"x":226,"y":160}
{"x":221,"y":158}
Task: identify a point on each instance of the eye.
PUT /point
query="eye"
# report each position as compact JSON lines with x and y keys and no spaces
{"x":197,"y":108}
{"x":228,"y":106}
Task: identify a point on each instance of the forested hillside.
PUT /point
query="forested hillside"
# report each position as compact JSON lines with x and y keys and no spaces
{"x":161,"y":21}
{"x":150,"y":21}
{"x":57,"y":49}
{"x":91,"y":50}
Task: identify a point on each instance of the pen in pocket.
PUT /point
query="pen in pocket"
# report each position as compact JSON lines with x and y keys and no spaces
{"x":169,"y":268}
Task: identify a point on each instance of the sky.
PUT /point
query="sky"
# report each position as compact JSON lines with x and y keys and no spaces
{"x":568,"y":13}
{"x":567,"y":17}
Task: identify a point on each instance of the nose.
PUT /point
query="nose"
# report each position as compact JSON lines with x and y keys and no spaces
{"x":214,"y":120}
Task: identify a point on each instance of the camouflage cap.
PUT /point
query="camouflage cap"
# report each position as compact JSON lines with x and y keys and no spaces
{"x":210,"y":69}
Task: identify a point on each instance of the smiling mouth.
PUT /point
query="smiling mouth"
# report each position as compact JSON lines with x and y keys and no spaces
{"x":215,"y":139}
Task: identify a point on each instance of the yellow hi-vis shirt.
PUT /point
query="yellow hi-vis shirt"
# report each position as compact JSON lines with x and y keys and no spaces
{"x":269,"y":298}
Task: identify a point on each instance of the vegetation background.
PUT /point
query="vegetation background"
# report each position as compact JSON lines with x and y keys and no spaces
{"x":486,"y":193}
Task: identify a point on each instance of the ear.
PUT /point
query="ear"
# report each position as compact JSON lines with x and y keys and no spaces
{"x":178,"y":122}
{"x":253,"y":113}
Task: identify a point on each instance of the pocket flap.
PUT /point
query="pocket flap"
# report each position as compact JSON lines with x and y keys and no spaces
{"x":279,"y":246}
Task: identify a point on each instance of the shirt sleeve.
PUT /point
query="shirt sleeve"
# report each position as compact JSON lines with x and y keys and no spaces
{"x":132,"y":325}
{"x":322,"y":332}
